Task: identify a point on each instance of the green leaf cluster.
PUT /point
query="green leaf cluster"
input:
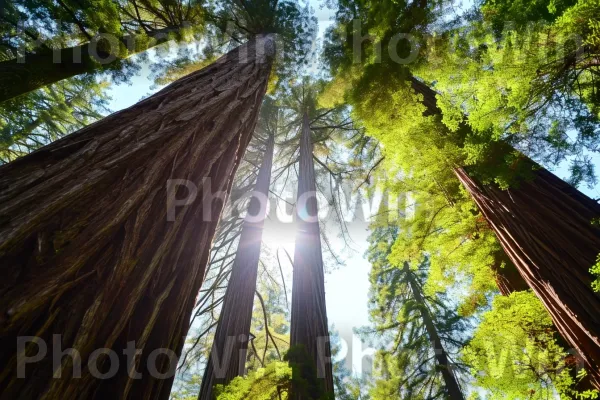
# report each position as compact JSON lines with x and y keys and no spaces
{"x":515,"y":352}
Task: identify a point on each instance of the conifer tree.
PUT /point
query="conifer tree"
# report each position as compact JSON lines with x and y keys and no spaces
{"x":105,"y":35}
{"x":41,"y":117}
{"x":233,"y":330}
{"x":420,"y":333}
{"x":309,"y":329}
{"x":114,"y":261}
{"x":99,"y":203}
{"x":427,"y":137}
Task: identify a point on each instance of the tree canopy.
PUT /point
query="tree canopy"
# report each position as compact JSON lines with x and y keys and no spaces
{"x":484,"y":278}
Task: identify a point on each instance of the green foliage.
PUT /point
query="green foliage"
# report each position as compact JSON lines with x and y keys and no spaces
{"x":519,"y":91}
{"x":38,"y":118}
{"x":24,"y":22}
{"x":529,"y":90}
{"x":189,"y":391}
{"x":515,"y":354}
{"x":305,"y":380}
{"x":595,"y":270}
{"x":405,"y":365}
{"x":275,"y":380}
{"x":269,"y":383}
{"x":520,"y":13}
{"x":533,"y":88}
{"x":347,"y":386}
{"x":294,"y":28}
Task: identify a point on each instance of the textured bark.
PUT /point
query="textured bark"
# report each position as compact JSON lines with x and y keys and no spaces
{"x":37,"y":70}
{"x":228,"y":356}
{"x":441,"y":357}
{"x":508,"y":278}
{"x":309,"y":314}
{"x":545,"y":227}
{"x":86,"y":248}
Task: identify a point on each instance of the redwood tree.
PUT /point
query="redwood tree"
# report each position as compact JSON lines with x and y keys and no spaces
{"x":553,"y":244}
{"x":43,"y":42}
{"x":228,"y":355}
{"x":543,"y":224}
{"x":309,"y":329}
{"x":91,"y":247}
{"x":545,"y":227}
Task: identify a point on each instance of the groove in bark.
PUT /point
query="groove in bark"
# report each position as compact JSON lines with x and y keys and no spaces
{"x":227,"y":360}
{"x":544,"y":226}
{"x":508,"y":278}
{"x":441,"y":357}
{"x":309,"y":314}
{"x":37,"y":70}
{"x":86,"y":247}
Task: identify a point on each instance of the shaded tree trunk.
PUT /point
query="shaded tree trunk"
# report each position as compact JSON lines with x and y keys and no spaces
{"x":508,"y":278}
{"x":36,"y":70}
{"x":92,"y":247}
{"x":309,"y":327}
{"x":545,"y":227}
{"x":441,"y":357}
{"x":228,"y":357}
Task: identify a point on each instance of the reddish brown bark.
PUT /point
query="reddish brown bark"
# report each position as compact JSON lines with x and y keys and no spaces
{"x":508,"y":278}
{"x":544,"y":225}
{"x":87,"y":250}
{"x":309,"y":314}
{"x":228,"y":356}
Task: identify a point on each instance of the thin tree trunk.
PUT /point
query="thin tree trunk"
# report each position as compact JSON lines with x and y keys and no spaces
{"x":545,"y":227}
{"x":36,"y":70}
{"x":444,"y":364}
{"x":228,"y":357}
{"x":309,"y":314}
{"x":91,"y":247}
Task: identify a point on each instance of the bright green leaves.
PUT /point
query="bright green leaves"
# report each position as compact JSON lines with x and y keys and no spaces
{"x":521,"y":12}
{"x":515,"y":354}
{"x":405,"y":366}
{"x":269,"y":383}
{"x":595,"y":270}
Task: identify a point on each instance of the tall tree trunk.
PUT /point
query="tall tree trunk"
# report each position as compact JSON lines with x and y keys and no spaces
{"x":228,"y":356}
{"x":92,"y":248}
{"x":544,"y":226}
{"x":309,"y":314}
{"x":441,"y":357}
{"x":36,"y":70}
